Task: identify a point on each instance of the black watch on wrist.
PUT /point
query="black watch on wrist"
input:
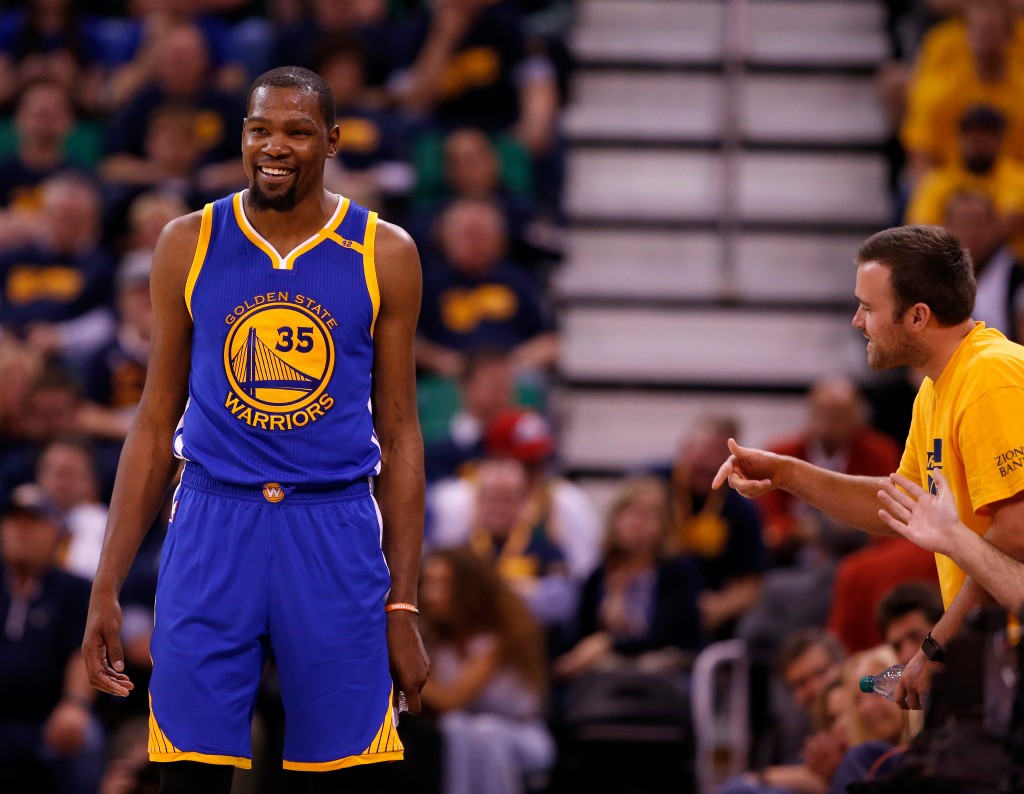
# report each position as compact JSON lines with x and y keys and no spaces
{"x":932,"y":650}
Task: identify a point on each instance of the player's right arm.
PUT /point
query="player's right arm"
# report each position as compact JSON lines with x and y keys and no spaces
{"x":846,"y":498}
{"x":147,"y":463}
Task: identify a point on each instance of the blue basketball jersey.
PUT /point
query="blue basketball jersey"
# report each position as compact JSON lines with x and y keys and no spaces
{"x":282,"y":352}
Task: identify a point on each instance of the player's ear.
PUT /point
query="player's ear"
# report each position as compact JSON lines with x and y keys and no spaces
{"x":333,"y":138}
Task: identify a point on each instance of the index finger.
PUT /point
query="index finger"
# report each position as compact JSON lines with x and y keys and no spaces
{"x":723,"y":472}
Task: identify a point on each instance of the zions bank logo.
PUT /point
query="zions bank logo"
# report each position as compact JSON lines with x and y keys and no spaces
{"x":278,"y":357}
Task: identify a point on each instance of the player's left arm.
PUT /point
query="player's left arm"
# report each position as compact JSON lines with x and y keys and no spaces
{"x":400,"y":486}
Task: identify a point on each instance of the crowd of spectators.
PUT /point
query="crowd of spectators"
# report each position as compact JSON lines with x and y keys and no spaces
{"x":118,"y":119}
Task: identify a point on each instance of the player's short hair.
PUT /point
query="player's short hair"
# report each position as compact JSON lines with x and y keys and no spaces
{"x":927,"y":264}
{"x":907,"y":597}
{"x":301,"y":79}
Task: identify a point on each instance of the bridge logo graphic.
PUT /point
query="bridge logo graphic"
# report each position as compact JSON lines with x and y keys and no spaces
{"x":278,"y":357}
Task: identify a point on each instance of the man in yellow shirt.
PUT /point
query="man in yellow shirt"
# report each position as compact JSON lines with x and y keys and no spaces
{"x":916,"y":289}
{"x":982,"y":170}
{"x":937,"y":101}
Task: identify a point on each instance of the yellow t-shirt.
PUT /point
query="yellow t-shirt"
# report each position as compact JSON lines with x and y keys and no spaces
{"x":1004,"y":186}
{"x":946,"y":50}
{"x":970,"y":424}
{"x":934,"y":108}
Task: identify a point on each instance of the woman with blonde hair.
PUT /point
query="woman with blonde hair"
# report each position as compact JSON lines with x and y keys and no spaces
{"x":640,"y":605}
{"x":878,"y":730}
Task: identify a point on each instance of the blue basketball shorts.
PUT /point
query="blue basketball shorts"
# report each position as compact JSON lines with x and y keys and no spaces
{"x":245,"y":570}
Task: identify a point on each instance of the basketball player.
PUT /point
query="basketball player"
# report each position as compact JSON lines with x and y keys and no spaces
{"x":282,"y":375}
{"x":916,"y":288}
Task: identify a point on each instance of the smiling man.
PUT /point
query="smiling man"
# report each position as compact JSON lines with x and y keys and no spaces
{"x":282,"y":375}
{"x":915,"y":288}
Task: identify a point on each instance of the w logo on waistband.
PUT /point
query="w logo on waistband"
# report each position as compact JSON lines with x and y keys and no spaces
{"x":273,"y":492}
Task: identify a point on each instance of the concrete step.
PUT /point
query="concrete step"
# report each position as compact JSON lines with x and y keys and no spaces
{"x":620,"y":430}
{"x":727,"y":347}
{"x":823,"y":34}
{"x":665,"y":185}
{"x":647,"y":106}
{"x":834,"y":110}
{"x":637,"y":265}
{"x":826,"y":188}
{"x":611,"y":264}
{"x":643,"y":185}
{"x":811,"y":109}
{"x":648,"y":31}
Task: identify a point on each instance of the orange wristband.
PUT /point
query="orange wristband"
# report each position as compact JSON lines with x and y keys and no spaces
{"x":402,"y":606}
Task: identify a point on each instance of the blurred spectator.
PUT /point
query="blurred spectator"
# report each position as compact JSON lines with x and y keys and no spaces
{"x":374,"y":23}
{"x":862,"y":579}
{"x":372,"y":165}
{"x":56,"y":291}
{"x":505,"y":534}
{"x":807,"y":662}
{"x":905,"y":616}
{"x":836,"y":436}
{"x":172,"y":153}
{"x":181,"y":73}
{"x":42,"y":122}
{"x":128,"y":769}
{"x":821,"y":755}
{"x":20,"y":366}
{"x":560,"y":508}
{"x":938,"y":99}
{"x":878,"y":729}
{"x":488,"y":682}
{"x":114,"y":375}
{"x":476,"y":296}
{"x":721,"y":529}
{"x":980,"y":170}
{"x":239,"y":44}
{"x":473,"y":168}
{"x":66,"y":473}
{"x":51,"y":40}
{"x":49,"y":736}
{"x":467,"y":65}
{"x":639,"y":607}
{"x":48,"y":411}
{"x":486,"y":387}
{"x":974,"y":219}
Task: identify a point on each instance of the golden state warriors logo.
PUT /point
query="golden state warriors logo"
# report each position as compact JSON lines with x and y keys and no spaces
{"x":278,"y":357}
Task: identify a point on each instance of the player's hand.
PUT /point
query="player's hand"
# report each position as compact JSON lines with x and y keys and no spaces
{"x":929,"y":520}
{"x":752,"y":472}
{"x":915,"y":683}
{"x":101,"y":647}
{"x":410,"y":664}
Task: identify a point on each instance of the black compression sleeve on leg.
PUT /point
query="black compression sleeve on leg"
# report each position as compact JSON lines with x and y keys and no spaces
{"x":191,"y":777}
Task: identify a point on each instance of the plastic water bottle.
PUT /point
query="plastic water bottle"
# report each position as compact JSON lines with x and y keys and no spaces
{"x":884,"y":683}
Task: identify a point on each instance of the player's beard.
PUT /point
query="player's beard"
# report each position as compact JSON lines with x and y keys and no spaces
{"x":280,"y":203}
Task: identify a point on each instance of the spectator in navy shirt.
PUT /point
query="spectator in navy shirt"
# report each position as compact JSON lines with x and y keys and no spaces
{"x":476,"y":297}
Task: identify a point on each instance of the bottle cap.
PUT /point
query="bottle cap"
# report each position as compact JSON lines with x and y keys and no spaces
{"x":867,"y":683}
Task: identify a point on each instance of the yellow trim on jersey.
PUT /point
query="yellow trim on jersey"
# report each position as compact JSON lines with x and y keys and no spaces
{"x":205,"y":228}
{"x":370,"y":266}
{"x":386,"y":746}
{"x":346,"y":243}
{"x":162,"y":749}
{"x":287,"y":262}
